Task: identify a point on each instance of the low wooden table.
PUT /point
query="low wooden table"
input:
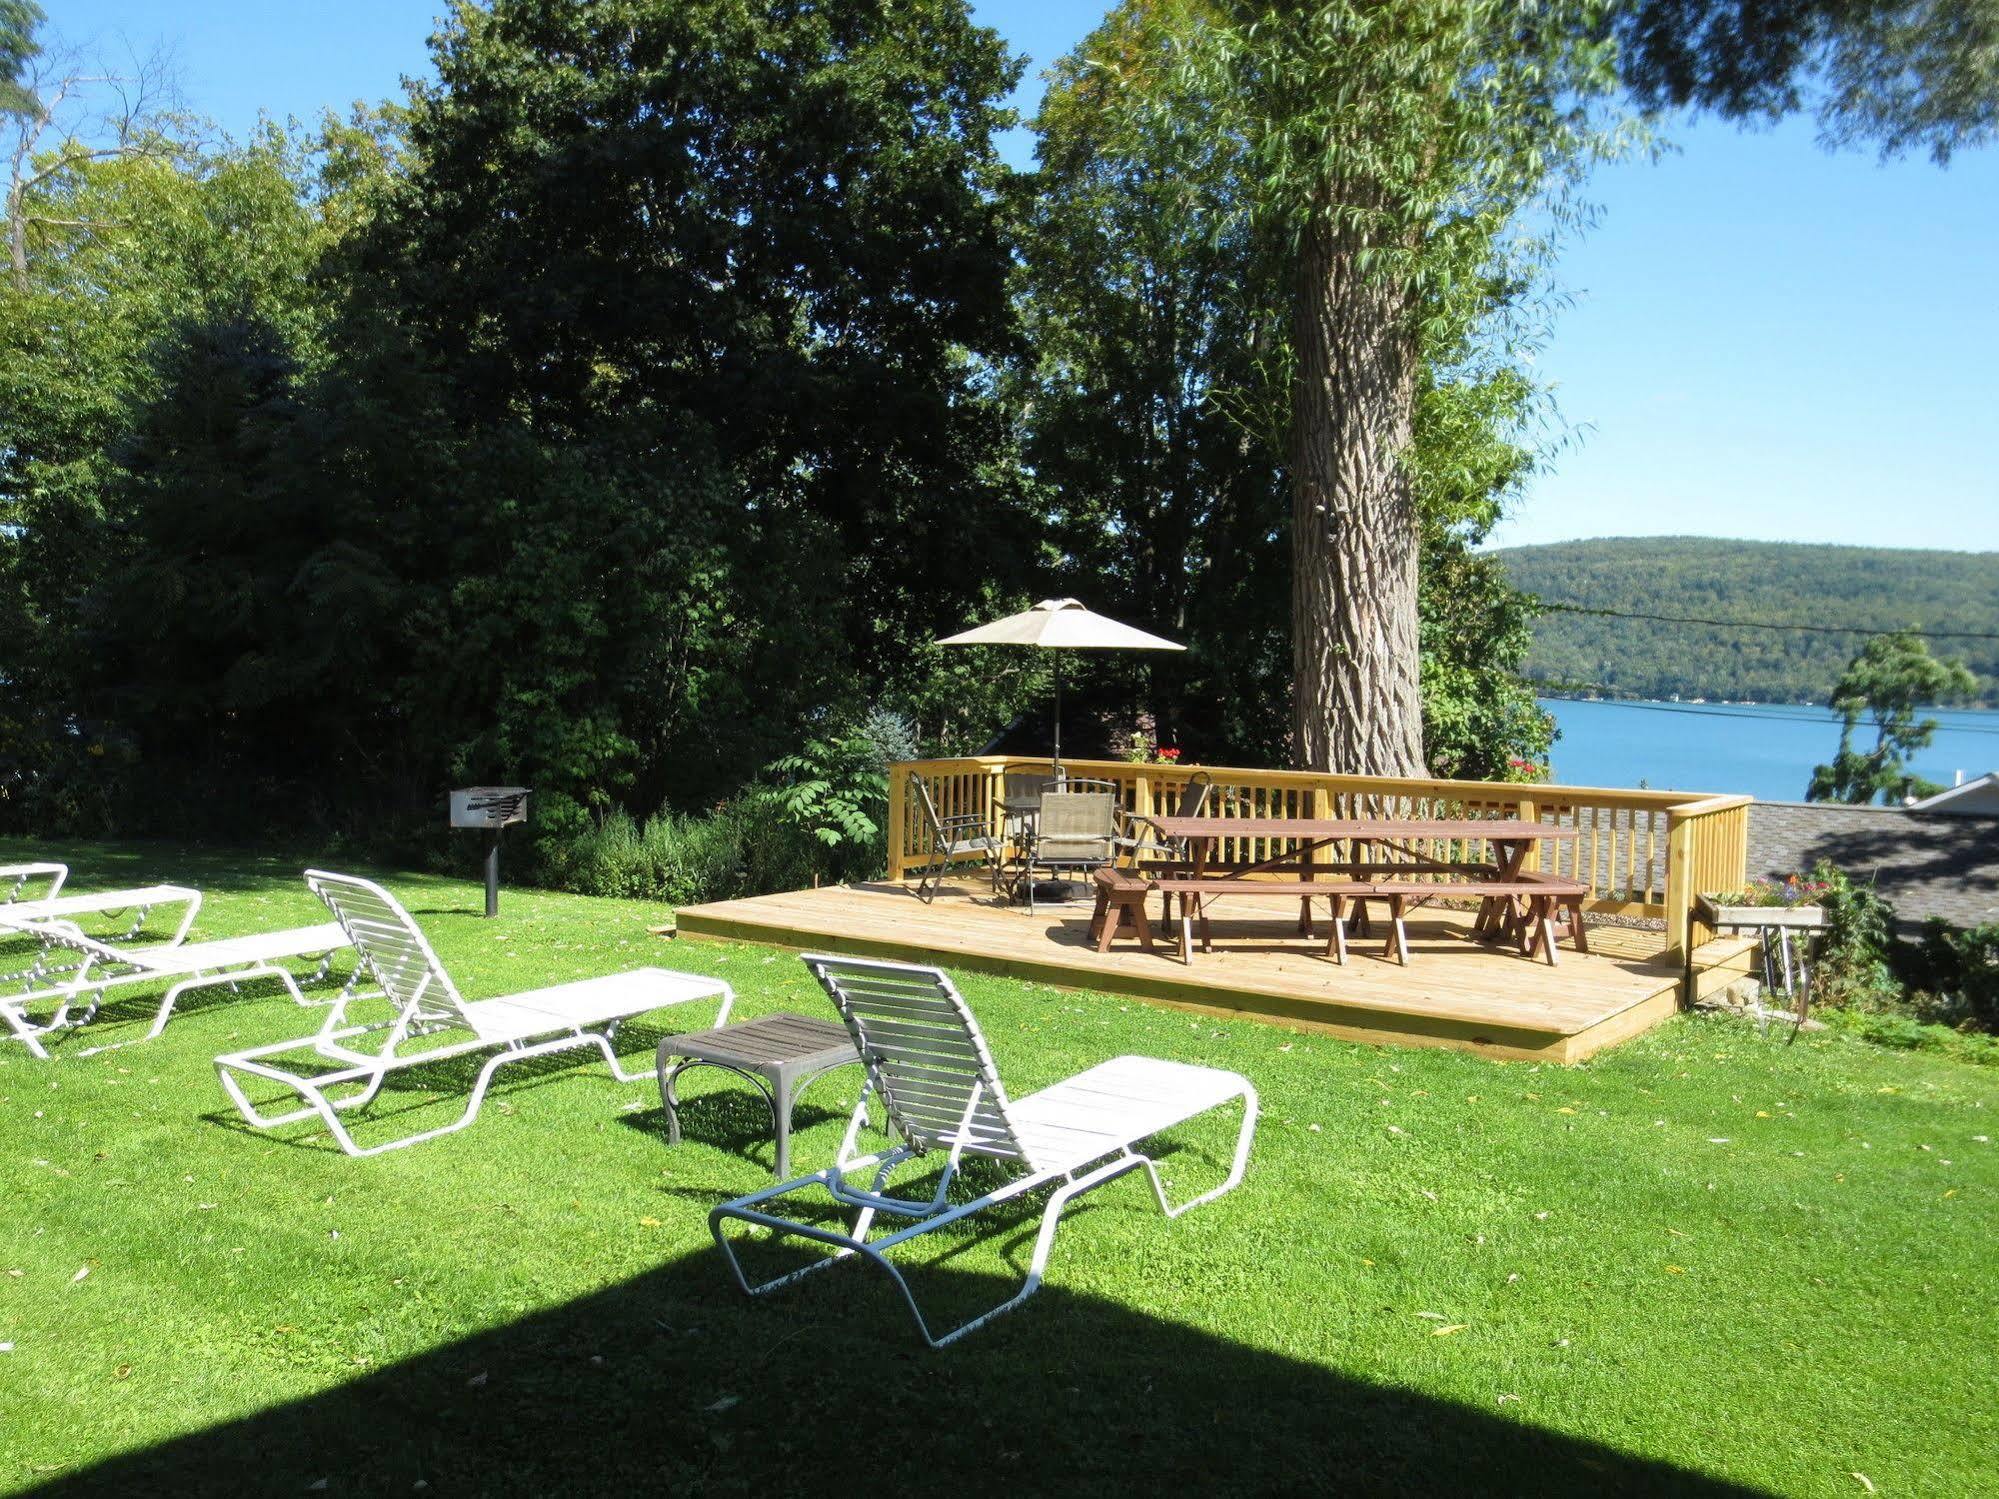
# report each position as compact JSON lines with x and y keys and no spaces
{"x":776,"y":1054}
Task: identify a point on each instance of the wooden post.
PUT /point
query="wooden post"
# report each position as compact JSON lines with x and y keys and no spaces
{"x":898,"y":810}
{"x":1529,"y":810}
{"x":1679,"y":888}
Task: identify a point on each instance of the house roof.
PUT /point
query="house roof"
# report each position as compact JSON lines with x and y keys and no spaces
{"x":1923,"y":863}
{"x":1978,"y":786}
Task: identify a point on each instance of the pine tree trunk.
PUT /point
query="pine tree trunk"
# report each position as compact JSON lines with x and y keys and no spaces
{"x":1356,"y":699}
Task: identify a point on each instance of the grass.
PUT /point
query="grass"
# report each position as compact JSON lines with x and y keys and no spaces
{"x":1707,"y":1262}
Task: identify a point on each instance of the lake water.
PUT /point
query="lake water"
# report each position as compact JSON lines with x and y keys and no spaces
{"x":1765,"y":750}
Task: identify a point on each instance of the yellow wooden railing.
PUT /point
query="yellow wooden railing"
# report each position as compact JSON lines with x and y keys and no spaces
{"x":1642,"y":853}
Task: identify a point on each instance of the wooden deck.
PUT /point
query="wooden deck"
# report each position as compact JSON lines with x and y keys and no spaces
{"x":1455,"y":992}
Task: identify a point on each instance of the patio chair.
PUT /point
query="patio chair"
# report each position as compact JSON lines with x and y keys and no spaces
{"x":1074,"y":830}
{"x":77,"y":992}
{"x":429,"y":1008}
{"x":963,"y":835}
{"x":928,"y":1064}
{"x":1139,"y":836}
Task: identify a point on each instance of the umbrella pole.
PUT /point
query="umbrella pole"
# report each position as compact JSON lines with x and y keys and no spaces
{"x":1058,"y":717}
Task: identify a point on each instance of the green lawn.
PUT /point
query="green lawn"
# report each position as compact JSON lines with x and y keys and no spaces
{"x":1706,"y":1262}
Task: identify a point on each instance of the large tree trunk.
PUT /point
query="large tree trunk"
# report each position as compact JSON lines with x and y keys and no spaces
{"x":1356,"y":699}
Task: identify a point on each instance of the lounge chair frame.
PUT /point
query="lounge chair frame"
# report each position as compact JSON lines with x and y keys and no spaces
{"x":77,"y":992}
{"x":16,"y":876}
{"x":928,"y":1064}
{"x":515,"y":1028}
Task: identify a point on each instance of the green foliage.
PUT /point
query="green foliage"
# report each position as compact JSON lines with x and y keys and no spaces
{"x":679,"y":858}
{"x":834,"y":790}
{"x":1960,"y":966}
{"x":1950,"y":977}
{"x":1902,"y":74}
{"x":148,"y":400}
{"x":1892,"y":677}
{"x":1155,"y":301}
{"x":590,"y":423}
{"x":1711,"y":578}
{"x":1152,"y":314}
{"x":1907,"y":1033}
{"x":18,"y":21}
{"x":1853,"y":966}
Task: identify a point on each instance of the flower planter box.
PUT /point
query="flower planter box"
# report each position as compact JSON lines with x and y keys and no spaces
{"x":1717,"y":914}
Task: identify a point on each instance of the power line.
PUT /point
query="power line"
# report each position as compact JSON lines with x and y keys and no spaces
{"x":1762,"y":624}
{"x":1701,"y":710}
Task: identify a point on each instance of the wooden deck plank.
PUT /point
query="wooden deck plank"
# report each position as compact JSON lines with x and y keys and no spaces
{"x":1455,"y":992}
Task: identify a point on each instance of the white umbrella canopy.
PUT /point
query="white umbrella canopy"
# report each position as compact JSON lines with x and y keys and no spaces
{"x":1061,"y":624}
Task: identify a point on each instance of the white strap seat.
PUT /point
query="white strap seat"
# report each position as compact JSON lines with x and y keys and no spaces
{"x":1105,"y":1108}
{"x":21,"y":912}
{"x":233,"y":952}
{"x":616,"y":996}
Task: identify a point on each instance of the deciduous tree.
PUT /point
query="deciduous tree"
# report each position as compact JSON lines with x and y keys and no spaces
{"x":1903,"y":75}
{"x":1892,"y":678}
{"x":1390,"y":142}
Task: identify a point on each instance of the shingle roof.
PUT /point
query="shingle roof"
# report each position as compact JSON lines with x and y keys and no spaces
{"x":1923,"y":863}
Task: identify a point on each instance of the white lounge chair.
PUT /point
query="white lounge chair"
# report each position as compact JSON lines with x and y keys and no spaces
{"x":15,"y":878}
{"x":21,"y":921}
{"x":929,"y":1066}
{"x":76,"y":993}
{"x":429,"y":1008}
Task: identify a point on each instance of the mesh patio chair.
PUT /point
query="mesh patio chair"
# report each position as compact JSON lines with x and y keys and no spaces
{"x":1021,"y":793}
{"x":1141,"y":836}
{"x":1075,"y":830}
{"x":964,"y":835}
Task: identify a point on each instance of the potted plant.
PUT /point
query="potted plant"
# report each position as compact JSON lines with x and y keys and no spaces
{"x":1792,"y":901}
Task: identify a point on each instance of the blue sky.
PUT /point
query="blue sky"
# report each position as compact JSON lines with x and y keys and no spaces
{"x":1765,"y":340}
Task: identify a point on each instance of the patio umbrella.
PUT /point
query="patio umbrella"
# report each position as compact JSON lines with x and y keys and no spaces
{"x":1061,"y":625}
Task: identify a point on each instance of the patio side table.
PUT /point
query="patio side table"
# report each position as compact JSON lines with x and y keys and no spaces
{"x":776,"y":1054}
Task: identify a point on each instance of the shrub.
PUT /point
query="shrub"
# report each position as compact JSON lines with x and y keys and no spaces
{"x":834,"y":790}
{"x":1961,"y":968}
{"x":1853,"y":960}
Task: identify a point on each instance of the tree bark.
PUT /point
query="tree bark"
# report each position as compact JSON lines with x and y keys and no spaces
{"x":1356,"y":695}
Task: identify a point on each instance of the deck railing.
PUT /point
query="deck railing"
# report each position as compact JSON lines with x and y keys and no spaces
{"x":1642,"y":853}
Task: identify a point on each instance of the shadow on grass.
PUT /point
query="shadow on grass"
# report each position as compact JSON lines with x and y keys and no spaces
{"x":225,"y":868}
{"x":422,"y":1096}
{"x":674,"y":1382}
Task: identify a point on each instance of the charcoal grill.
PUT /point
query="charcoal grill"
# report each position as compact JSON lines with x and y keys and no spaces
{"x":491,"y":808}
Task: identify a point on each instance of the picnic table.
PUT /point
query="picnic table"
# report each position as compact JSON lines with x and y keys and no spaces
{"x":1512,"y":901}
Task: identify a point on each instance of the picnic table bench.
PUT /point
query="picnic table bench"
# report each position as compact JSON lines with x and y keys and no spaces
{"x":1513,"y":901}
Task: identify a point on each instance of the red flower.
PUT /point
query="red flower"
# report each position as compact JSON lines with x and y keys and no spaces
{"x":1168,"y":753}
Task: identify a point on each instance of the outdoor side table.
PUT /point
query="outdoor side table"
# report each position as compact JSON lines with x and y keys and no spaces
{"x":777,"y":1054}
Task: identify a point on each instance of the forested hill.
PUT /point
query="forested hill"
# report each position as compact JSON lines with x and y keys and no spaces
{"x":1709,"y":578}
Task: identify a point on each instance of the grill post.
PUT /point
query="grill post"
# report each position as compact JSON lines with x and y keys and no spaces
{"x":492,"y":873}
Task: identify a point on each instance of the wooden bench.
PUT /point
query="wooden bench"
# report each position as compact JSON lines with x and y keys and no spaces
{"x":1195,"y":893}
{"x":1524,"y":906}
{"x":1120,"y":904}
{"x":1567,"y":897}
{"x":1501,"y":910}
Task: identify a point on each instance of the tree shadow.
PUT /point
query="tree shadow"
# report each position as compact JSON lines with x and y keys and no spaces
{"x":675,"y":1382}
